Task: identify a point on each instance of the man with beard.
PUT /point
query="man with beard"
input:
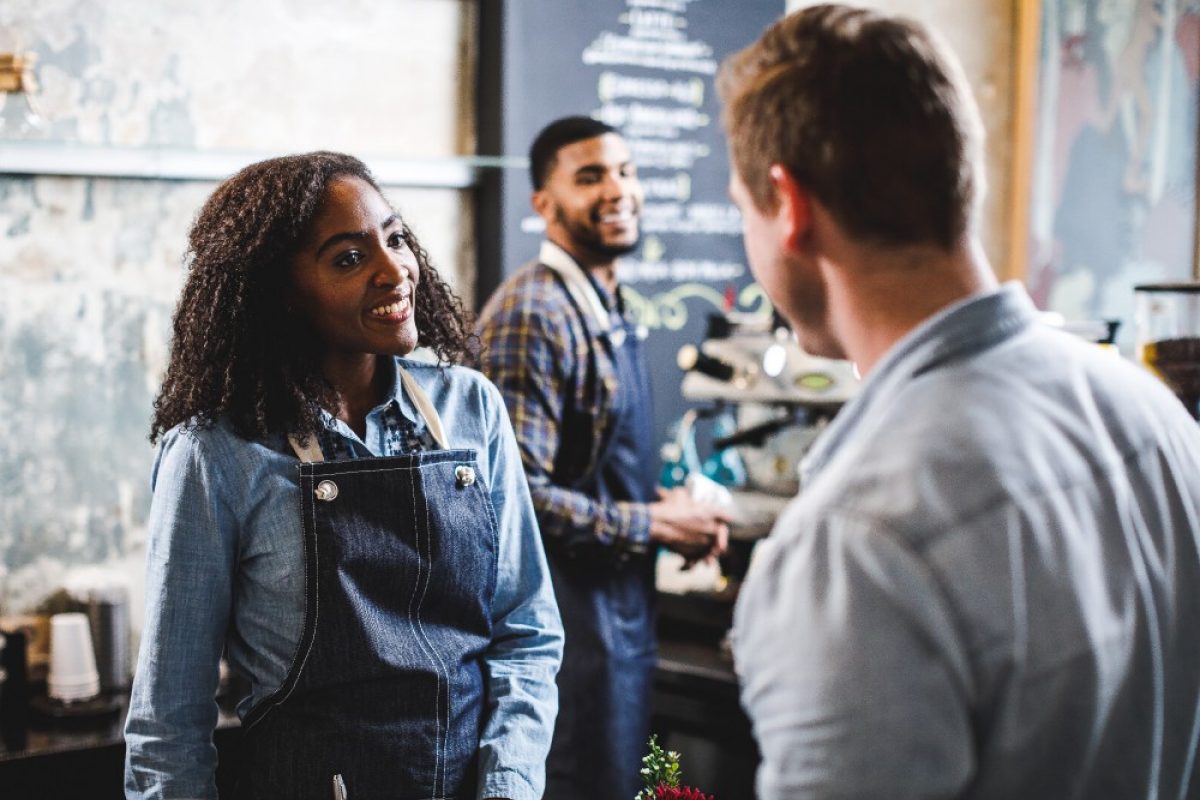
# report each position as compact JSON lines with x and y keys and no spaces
{"x":572,"y":372}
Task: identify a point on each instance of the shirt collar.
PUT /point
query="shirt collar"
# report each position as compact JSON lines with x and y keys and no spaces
{"x":958,"y":331}
{"x":393,"y":394}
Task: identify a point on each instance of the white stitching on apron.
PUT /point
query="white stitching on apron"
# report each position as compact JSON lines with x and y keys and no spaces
{"x":389,"y":469}
{"x":414,"y":621}
{"x":441,"y":759}
{"x":316,"y":600}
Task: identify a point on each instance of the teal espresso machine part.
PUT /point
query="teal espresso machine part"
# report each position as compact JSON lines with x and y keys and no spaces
{"x":760,"y":402}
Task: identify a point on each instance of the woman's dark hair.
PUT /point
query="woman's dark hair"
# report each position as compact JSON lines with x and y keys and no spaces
{"x":237,"y":350}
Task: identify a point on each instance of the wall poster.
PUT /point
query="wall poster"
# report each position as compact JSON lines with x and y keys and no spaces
{"x":1113,"y":190}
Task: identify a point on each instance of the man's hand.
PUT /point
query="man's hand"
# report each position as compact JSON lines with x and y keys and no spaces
{"x":697,"y":531}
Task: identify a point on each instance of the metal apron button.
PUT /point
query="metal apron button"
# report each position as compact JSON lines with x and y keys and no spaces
{"x":464,"y":475}
{"x":326,"y":490}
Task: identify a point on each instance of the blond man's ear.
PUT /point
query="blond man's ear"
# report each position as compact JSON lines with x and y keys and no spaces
{"x":793,"y":206}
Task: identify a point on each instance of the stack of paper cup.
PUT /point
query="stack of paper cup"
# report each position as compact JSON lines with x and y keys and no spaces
{"x":108,"y":612}
{"x":73,"y":673}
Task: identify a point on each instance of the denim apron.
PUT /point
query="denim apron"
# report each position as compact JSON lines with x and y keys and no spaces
{"x":607,"y":603}
{"x":385,"y":695}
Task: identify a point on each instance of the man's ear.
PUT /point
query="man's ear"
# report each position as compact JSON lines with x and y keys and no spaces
{"x":541,"y":203}
{"x":794,"y":206}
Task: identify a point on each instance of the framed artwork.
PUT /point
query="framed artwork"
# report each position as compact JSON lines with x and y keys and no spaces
{"x":1106,"y":168}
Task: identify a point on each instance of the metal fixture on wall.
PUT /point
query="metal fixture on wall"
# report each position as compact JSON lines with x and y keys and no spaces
{"x":19,"y":118}
{"x":33,"y":157}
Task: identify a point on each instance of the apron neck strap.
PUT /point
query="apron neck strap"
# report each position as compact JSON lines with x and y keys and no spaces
{"x":308,"y":452}
{"x":424,"y":407}
{"x":578,"y":285}
{"x":311,"y":452}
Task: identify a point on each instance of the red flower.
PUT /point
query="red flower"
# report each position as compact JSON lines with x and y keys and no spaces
{"x":664,"y":792}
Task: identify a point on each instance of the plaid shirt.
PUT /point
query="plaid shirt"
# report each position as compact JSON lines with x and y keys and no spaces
{"x":559,"y":382}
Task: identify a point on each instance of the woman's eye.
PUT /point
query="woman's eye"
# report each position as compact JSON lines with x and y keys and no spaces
{"x":397,"y":241}
{"x":349,"y":259}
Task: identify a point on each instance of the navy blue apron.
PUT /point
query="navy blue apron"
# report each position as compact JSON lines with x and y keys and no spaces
{"x":385,"y":695}
{"x":607,"y":606}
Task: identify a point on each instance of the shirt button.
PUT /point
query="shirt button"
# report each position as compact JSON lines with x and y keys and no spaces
{"x":464,"y":475}
{"x":326,"y":491}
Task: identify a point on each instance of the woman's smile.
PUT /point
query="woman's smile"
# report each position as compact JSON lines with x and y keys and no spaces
{"x":396,"y":310}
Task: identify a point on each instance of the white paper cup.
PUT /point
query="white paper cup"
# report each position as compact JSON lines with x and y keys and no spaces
{"x":73,"y":673}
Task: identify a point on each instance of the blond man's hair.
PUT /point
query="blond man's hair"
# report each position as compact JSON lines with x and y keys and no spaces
{"x":869,"y":113}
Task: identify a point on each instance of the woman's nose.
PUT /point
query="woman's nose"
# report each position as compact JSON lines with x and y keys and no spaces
{"x":394,"y":270}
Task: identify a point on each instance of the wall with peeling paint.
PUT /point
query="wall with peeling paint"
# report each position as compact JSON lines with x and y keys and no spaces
{"x":87,"y":279}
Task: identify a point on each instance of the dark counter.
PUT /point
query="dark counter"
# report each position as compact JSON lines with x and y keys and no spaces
{"x":695,"y":711}
{"x":82,"y":760}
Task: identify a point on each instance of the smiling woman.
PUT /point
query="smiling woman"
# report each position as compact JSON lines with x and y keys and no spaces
{"x":240,"y":348}
{"x":305,"y":463}
{"x":353,"y":282}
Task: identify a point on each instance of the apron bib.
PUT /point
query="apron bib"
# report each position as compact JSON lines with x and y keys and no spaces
{"x":607,"y":604}
{"x":385,"y":695}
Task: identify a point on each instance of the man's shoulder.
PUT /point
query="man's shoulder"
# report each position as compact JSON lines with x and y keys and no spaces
{"x":951,"y":444}
{"x":532,"y":279}
{"x":533,"y":291}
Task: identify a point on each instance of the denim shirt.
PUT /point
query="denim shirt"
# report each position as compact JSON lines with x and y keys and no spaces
{"x":989,"y":585}
{"x":225,"y":576}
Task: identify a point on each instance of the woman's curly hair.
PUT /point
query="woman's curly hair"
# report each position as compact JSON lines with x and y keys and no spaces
{"x":237,"y":351}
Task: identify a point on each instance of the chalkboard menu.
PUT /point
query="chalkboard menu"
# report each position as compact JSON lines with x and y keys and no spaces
{"x":646,"y":67}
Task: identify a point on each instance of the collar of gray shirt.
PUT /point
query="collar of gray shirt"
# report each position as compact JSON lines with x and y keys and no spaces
{"x":957,"y":331}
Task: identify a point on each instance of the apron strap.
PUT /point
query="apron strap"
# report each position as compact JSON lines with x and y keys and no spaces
{"x":424,"y":408}
{"x":578,"y":286}
{"x":311,"y":452}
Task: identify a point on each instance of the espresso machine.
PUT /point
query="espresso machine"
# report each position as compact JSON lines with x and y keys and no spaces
{"x":1168,"y":337}
{"x":760,"y":403}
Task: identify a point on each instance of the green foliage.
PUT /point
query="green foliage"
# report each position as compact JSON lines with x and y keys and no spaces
{"x":660,"y":768}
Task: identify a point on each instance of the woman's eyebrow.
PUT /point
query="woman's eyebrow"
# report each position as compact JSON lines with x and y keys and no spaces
{"x":341,"y":237}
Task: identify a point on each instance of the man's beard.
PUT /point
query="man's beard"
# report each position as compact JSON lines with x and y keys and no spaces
{"x":587,"y":238}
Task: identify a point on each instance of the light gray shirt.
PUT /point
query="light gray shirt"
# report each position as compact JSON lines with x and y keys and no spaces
{"x":989,"y":585}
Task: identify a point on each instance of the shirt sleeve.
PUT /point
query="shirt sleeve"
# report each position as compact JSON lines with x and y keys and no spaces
{"x":851,"y":670}
{"x":531,"y":365}
{"x":190,"y":562}
{"x":527,"y":634}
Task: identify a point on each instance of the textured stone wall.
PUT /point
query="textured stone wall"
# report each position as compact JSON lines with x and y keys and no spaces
{"x":90,"y":267}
